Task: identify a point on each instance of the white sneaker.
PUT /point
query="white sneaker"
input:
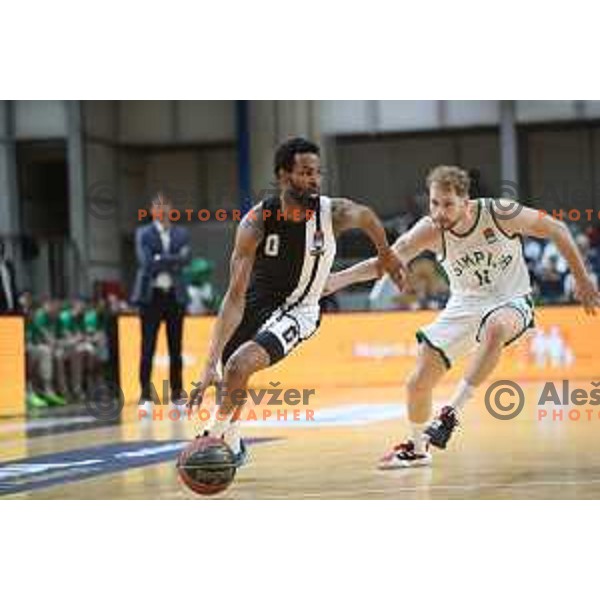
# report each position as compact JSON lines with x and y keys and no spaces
{"x":145,"y":408}
{"x":404,"y":456}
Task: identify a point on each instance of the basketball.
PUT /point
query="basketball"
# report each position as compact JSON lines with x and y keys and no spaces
{"x":206,"y":466}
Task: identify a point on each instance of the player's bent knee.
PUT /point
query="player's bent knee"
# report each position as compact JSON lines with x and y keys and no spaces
{"x":239,"y":366}
{"x":235,"y":367}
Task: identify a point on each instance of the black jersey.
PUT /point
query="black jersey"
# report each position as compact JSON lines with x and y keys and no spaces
{"x":293,"y":259}
{"x":292,"y":263}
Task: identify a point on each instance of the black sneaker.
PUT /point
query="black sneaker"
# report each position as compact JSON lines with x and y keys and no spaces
{"x":440,"y":430}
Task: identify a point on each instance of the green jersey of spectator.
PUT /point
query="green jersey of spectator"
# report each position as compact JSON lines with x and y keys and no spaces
{"x":33,"y":333}
{"x":40,"y":327}
{"x":67,"y":324}
{"x":92,"y":321}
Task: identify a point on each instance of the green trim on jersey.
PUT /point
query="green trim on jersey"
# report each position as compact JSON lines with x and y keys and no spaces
{"x":421,"y":337}
{"x":474,"y":226}
{"x":500,"y":228}
{"x":443,"y":256}
{"x":528,"y":323}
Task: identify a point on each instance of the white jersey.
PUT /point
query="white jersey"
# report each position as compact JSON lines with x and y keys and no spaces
{"x":484,"y":265}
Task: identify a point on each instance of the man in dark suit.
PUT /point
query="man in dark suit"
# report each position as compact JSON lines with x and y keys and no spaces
{"x":162,"y":250}
{"x":8,"y":286}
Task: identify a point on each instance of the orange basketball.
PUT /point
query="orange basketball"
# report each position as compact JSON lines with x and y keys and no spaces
{"x":206,"y":466}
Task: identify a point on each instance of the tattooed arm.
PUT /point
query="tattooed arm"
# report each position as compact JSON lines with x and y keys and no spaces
{"x":422,"y":236}
{"x":347,"y":214}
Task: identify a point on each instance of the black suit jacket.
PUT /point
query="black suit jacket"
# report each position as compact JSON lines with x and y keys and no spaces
{"x":152,"y":259}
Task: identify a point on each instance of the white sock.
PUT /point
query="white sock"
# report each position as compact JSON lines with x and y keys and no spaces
{"x":233,"y":437}
{"x":463,"y":392}
{"x":419,"y":440}
{"x":218,"y":426}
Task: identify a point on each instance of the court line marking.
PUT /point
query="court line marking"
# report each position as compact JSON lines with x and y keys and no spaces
{"x":345,"y":415}
{"x":458,"y":486}
{"x":44,"y":423}
{"x":477,"y":486}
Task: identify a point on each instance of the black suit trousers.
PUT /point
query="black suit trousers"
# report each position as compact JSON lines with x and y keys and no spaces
{"x":162,"y":307}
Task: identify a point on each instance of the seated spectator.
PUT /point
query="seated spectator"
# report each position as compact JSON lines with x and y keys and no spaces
{"x":91,"y":349}
{"x":426,"y":288}
{"x":550,"y":280}
{"x":384,"y":295}
{"x":70,"y":353}
{"x":40,"y":331}
{"x":110,"y":311}
{"x":569,"y":285}
{"x":551,"y":252}
{"x":429,"y":282}
{"x":590,"y":253}
{"x":590,"y":257}
{"x":203,"y":299}
{"x":583,"y":244}
{"x":593,"y":234}
{"x":532,"y":252}
{"x":97,"y":331}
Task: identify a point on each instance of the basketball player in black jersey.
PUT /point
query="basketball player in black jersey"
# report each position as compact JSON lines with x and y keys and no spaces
{"x":284,"y":250}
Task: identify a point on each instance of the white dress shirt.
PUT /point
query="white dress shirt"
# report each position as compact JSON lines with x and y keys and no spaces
{"x":163,"y":280}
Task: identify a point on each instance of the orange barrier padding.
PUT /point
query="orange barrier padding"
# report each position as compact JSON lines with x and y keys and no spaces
{"x":378,"y":349}
{"x":12,"y":366}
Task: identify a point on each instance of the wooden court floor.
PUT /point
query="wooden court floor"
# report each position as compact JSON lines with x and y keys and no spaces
{"x":523,"y":458}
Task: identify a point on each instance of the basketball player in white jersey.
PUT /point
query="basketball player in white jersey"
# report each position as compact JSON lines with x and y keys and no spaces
{"x":479,"y":245}
{"x":283,"y":253}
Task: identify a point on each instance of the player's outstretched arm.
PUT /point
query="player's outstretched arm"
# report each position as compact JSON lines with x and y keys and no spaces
{"x":347,"y":214}
{"x":248,"y":236}
{"x":365,"y":270}
{"x":422,"y":236}
{"x":534,"y":223}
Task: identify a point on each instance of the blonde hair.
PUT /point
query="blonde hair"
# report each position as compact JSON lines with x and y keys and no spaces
{"x":450,"y":178}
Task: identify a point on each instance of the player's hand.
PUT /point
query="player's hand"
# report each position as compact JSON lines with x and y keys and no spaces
{"x":209,"y":377}
{"x":388,"y":262}
{"x":587,"y":293}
